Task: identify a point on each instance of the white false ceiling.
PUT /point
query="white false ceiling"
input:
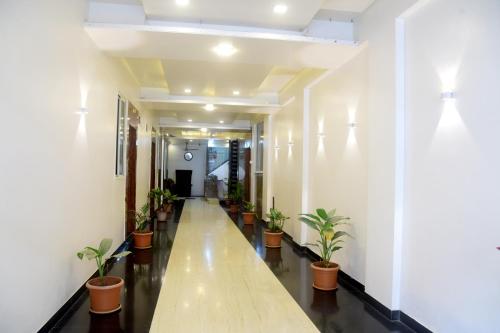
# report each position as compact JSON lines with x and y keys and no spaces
{"x":237,"y":12}
{"x":128,"y":43}
{"x":356,"y":6}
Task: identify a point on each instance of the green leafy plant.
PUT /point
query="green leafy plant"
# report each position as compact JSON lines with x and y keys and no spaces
{"x":169,"y":197}
{"x":248,"y":207}
{"x":98,"y":254}
{"x":237,"y":194}
{"x":159,"y":195}
{"x":142,"y":218}
{"x":326,"y":224}
{"x":276,"y":220}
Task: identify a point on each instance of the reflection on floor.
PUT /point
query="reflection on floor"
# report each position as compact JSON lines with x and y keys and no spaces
{"x":143,"y":273}
{"x":340,"y":311}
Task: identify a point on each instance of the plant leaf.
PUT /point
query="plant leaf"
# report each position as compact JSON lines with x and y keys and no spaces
{"x":105,"y":245}
{"x":121,"y":254}
{"x":322,"y":213}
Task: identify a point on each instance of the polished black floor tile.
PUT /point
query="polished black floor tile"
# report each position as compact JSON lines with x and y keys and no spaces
{"x":340,"y":311}
{"x":143,"y":271}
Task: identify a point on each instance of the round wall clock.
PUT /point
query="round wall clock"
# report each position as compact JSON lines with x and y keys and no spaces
{"x":188,"y":156}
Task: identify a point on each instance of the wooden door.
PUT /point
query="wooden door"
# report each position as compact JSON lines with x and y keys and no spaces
{"x":130,"y":194}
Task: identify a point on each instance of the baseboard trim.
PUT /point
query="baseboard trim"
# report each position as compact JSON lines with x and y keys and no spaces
{"x":352,"y":284}
{"x":59,"y":315}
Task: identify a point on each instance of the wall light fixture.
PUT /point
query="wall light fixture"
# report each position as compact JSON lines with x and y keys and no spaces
{"x":448,"y":95}
{"x":82,"y":111}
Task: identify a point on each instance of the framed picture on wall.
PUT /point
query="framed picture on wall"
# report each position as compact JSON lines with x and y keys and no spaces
{"x":121,"y":115}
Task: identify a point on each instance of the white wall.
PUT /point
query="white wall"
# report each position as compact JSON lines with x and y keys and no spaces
{"x":338,"y":162}
{"x":286,"y":163}
{"x":58,"y":189}
{"x":376,"y":27}
{"x":451,"y":268}
{"x":198,"y":164}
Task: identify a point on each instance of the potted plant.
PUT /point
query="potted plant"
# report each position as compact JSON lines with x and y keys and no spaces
{"x":235,"y":198}
{"x":142,"y":235}
{"x":325,"y":272}
{"x":157,"y":194}
{"x":274,"y":231}
{"x":169,"y":199}
{"x":248,"y":212}
{"x":104,"y":290}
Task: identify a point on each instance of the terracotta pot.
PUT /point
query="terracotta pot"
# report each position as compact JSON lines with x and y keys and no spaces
{"x":273,"y":239}
{"x":169,"y":208}
{"x":142,"y":240}
{"x":325,"y":278}
{"x":144,"y":257}
{"x":248,"y":218}
{"x":105,"y":294}
{"x":234,"y":208}
{"x":161,"y":215}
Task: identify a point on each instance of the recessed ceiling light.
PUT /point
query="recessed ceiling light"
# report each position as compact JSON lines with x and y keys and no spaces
{"x":225,"y":49}
{"x":190,"y":120}
{"x":236,"y":92}
{"x":209,"y":107}
{"x":204,"y":130}
{"x":221,"y":122}
{"x":280,"y":8}
{"x":187,"y":90}
{"x":182,"y":3}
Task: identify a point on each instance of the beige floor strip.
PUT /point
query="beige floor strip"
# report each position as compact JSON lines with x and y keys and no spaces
{"x":216,"y":282}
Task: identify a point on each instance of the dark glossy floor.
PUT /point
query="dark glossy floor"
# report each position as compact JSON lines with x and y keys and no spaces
{"x":143,"y":272}
{"x":341,"y":311}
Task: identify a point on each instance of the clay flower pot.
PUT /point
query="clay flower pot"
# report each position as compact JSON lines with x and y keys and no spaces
{"x":273,"y":239}
{"x":248,"y":218}
{"x":142,"y":240}
{"x":169,"y":208}
{"x":324,"y":278}
{"x":234,"y":208}
{"x":161,"y":215}
{"x":105,"y":294}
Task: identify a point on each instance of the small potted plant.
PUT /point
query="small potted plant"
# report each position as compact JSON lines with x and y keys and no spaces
{"x":142,"y":235}
{"x":169,"y":199}
{"x":248,"y":212}
{"x":236,"y":196}
{"x":325,"y":272}
{"x":157,"y":194}
{"x":274,"y":231}
{"x":104,"y":290}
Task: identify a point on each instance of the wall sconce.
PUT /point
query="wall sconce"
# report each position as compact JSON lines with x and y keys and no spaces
{"x":276,"y":148}
{"x":352,"y":125}
{"x":448,"y":95}
{"x":82,"y":111}
{"x":290,"y":144}
{"x":321,"y":135}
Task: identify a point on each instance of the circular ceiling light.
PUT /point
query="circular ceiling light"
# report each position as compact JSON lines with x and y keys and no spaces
{"x":209,"y":107}
{"x":225,"y":50}
{"x":221,"y":122}
{"x":182,"y":3}
{"x":280,"y":9}
{"x":204,"y":130}
{"x":236,"y":92}
{"x":187,"y":90}
{"x":190,"y":120}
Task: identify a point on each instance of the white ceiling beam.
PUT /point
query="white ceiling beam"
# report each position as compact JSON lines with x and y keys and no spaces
{"x":166,"y":122}
{"x":201,"y":100}
{"x":315,"y":35}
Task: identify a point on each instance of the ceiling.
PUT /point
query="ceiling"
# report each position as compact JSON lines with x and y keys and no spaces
{"x":238,"y":12}
{"x":172,"y":62}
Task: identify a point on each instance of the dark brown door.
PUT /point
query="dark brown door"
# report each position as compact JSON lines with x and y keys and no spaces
{"x":183,"y":182}
{"x":248,"y":170}
{"x":131,"y":179}
{"x":153,"y":174}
